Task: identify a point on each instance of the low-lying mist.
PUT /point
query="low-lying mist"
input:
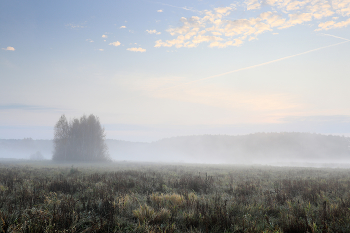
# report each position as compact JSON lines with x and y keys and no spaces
{"x":286,"y":149}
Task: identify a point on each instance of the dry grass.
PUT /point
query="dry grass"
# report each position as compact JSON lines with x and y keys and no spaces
{"x":169,"y":198}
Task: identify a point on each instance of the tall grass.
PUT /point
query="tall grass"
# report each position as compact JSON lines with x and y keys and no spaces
{"x":173,"y":198}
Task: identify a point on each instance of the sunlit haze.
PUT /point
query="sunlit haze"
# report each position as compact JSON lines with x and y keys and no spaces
{"x":156,"y":69}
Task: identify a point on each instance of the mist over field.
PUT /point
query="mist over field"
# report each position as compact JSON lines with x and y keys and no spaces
{"x":154,"y":73}
{"x":184,"y":116}
{"x":291,"y":149}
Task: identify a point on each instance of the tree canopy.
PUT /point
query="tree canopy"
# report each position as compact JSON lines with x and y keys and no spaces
{"x":79,"y":140}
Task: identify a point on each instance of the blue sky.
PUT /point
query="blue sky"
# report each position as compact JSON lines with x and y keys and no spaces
{"x":154,"y":69}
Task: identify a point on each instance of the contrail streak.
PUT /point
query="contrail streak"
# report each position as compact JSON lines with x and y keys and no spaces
{"x":335,"y":36}
{"x":254,"y":66}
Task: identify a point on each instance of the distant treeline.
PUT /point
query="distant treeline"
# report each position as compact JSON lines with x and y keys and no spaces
{"x":252,"y":148}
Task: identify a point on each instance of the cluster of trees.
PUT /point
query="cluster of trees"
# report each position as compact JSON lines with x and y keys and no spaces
{"x":79,"y":140}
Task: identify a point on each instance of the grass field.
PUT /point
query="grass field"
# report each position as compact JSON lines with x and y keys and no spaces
{"x":132,"y":197}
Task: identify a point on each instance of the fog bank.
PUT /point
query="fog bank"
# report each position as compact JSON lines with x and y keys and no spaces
{"x":300,"y":149}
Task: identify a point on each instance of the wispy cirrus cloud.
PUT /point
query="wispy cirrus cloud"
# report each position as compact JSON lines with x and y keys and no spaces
{"x":121,"y":27}
{"x":9,"y":48}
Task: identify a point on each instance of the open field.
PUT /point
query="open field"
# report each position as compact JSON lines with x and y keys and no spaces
{"x":145,"y":197}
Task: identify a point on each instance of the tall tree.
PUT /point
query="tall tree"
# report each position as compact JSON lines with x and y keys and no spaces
{"x":80,"y":140}
{"x":61,"y":139}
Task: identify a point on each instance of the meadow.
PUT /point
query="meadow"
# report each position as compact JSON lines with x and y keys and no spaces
{"x":146,"y":197}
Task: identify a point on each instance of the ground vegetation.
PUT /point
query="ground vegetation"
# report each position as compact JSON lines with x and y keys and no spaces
{"x":130,"y":197}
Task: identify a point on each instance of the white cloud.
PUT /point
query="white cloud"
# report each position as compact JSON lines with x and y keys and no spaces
{"x":123,"y":27}
{"x":89,"y":40}
{"x":136,"y":49}
{"x":296,"y":5}
{"x":216,"y":33}
{"x":218,"y":44}
{"x":104,"y":36}
{"x":101,"y":50}
{"x":214,"y":28}
{"x":342,"y":7}
{"x":320,"y":10}
{"x":331,"y":25}
{"x":253,"y":4}
{"x":153,"y":32}
{"x":297,"y":18}
{"x":222,"y":33}
{"x":117,"y":43}
{"x":9,"y":48}
{"x":160,"y":11}
{"x":317,"y":8}
{"x":272,"y":18}
{"x":223,"y":10}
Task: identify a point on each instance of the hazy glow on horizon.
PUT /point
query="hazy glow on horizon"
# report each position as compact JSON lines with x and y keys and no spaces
{"x":157,"y":69}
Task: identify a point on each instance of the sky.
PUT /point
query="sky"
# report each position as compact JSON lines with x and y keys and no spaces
{"x":155,"y":69}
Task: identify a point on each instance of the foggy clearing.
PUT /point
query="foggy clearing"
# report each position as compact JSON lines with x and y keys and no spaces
{"x":279,"y":149}
{"x":179,"y":116}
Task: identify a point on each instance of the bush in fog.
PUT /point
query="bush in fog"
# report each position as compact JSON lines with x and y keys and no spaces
{"x":79,"y":140}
